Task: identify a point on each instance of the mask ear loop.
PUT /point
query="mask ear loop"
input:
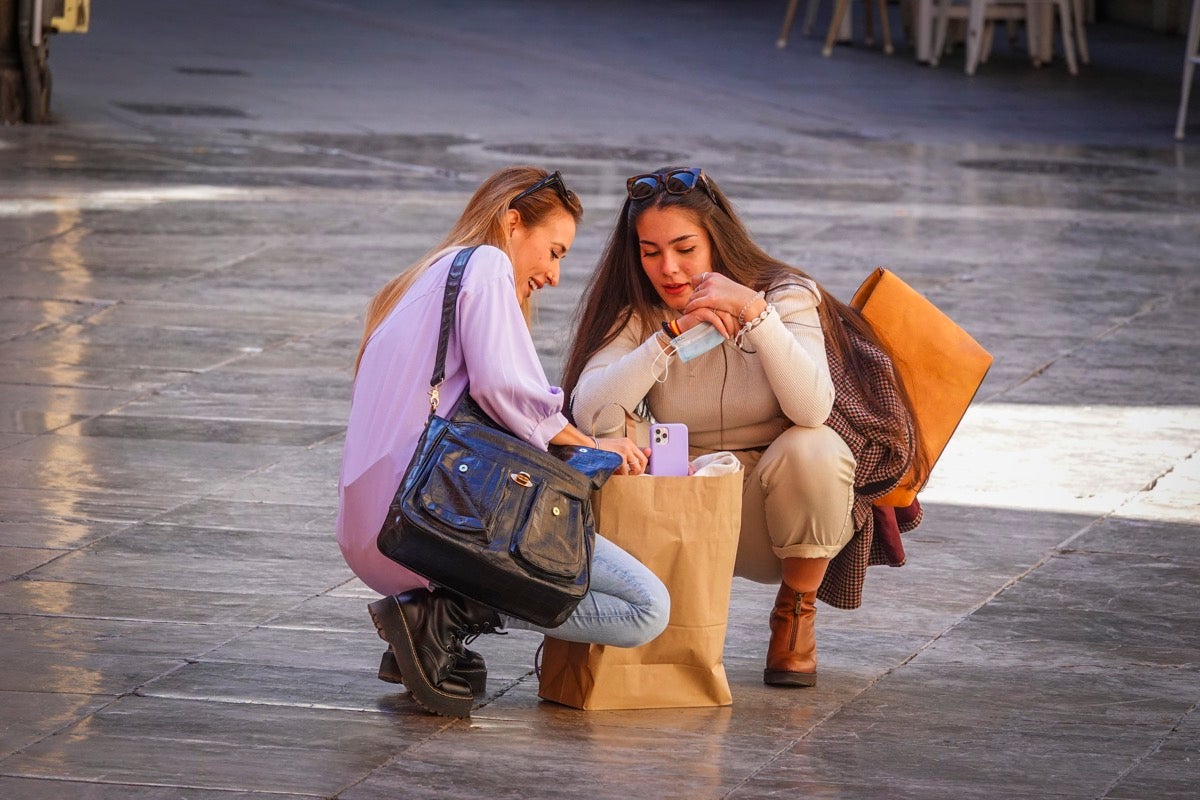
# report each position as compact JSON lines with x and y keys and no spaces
{"x":663,"y":369}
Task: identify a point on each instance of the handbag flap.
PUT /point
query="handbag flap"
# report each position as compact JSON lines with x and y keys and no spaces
{"x":595,"y":465}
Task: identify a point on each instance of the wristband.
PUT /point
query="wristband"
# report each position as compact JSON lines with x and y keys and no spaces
{"x":740,"y":336}
{"x":741,"y":317}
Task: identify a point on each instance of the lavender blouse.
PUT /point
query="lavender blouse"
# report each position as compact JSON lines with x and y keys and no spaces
{"x":490,"y":343}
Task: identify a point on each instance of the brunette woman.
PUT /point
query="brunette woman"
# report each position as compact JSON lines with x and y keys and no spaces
{"x":796,"y":387}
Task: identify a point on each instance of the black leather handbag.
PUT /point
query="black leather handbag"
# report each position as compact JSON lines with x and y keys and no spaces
{"x":486,"y":514}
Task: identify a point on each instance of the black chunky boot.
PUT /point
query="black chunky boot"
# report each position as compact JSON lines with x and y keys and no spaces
{"x":425,"y":630}
{"x":468,"y":665}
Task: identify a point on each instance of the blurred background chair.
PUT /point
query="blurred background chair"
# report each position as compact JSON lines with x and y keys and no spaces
{"x":838,"y":23}
{"x":982,"y":15}
{"x":1191,"y":58}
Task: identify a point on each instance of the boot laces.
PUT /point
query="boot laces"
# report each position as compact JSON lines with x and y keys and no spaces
{"x":469,"y":633}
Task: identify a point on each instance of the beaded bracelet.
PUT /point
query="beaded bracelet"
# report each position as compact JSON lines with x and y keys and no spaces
{"x":752,"y":324}
{"x":741,"y":317}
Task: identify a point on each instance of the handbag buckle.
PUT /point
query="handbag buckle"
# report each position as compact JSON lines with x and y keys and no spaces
{"x":521,"y":479}
{"x":434,"y":397}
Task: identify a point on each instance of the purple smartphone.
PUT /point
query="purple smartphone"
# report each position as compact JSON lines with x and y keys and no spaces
{"x":668,"y":449}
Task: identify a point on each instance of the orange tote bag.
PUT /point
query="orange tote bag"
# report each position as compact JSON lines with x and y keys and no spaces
{"x":941,"y":365}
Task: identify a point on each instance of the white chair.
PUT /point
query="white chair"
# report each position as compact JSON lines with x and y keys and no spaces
{"x":945,"y":11}
{"x":1082,"y":16}
{"x":981,"y":16}
{"x":1191,"y":58}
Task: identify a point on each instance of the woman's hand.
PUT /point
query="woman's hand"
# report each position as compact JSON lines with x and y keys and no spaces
{"x":729,"y":300}
{"x":723,"y":322}
{"x":635,"y":458}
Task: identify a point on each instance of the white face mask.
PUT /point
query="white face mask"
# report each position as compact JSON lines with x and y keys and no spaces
{"x":696,"y":341}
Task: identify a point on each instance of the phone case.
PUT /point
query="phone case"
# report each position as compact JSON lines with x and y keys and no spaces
{"x":668,"y":449}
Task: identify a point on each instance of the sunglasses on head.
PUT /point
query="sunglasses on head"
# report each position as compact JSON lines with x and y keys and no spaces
{"x":675,"y":181}
{"x":554,"y":180}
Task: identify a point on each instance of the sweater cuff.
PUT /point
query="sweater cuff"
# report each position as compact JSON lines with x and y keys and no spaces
{"x":769,"y":330}
{"x":652,"y":358}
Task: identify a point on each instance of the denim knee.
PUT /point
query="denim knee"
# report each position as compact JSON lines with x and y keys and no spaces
{"x":651,"y":615}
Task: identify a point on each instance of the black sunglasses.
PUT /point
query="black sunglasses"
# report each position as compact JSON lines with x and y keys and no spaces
{"x":676,"y":181}
{"x":553,"y":180}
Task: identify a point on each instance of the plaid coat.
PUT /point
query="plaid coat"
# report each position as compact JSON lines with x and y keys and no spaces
{"x":883,"y":456}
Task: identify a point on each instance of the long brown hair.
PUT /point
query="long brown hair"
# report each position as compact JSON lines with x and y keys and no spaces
{"x":621,"y":292}
{"x":481,"y":222}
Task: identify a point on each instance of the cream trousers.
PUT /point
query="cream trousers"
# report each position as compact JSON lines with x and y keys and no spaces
{"x":796,"y":501}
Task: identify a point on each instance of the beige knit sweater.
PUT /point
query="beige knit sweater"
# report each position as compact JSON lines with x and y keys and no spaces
{"x":730,"y":399}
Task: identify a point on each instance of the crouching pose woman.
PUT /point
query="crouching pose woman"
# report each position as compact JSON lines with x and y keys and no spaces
{"x":525,"y":221}
{"x":788,"y":390}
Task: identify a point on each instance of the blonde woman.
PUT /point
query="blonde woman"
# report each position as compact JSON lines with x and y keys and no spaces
{"x":523,"y":219}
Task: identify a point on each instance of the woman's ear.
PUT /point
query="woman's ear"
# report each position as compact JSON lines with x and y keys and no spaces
{"x":512,"y":220}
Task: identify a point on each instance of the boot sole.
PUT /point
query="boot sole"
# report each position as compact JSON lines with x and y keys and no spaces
{"x":393,"y":629}
{"x":779,"y":677}
{"x":389,"y":671}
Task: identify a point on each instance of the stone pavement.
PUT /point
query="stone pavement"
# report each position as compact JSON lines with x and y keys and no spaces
{"x":183,"y":262}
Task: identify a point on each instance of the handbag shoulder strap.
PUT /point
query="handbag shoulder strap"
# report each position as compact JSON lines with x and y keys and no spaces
{"x":449,"y":308}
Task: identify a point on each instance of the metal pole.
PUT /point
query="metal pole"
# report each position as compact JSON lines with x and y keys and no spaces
{"x":29,"y":62}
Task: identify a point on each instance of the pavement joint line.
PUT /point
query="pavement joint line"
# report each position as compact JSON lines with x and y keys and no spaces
{"x":774,"y":757}
{"x":157,"y":784}
{"x":1150,"y":306}
{"x":1150,"y":751}
{"x":1149,"y":487}
{"x":871,"y":684}
{"x":1065,"y":545}
{"x":397,"y":757}
{"x":60,"y":730}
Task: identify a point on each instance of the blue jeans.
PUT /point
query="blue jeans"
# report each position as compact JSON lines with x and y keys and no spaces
{"x":626,"y":606}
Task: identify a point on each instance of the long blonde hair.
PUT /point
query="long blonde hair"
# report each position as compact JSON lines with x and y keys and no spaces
{"x":481,"y":222}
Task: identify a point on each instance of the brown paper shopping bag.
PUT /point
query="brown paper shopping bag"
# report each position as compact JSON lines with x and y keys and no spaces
{"x":686,"y":531}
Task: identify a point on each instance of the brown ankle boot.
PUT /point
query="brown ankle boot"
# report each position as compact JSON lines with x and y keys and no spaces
{"x":792,"y":652}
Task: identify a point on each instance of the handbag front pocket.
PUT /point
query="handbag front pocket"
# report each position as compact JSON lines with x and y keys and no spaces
{"x":463,"y":490}
{"x":553,"y":542}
